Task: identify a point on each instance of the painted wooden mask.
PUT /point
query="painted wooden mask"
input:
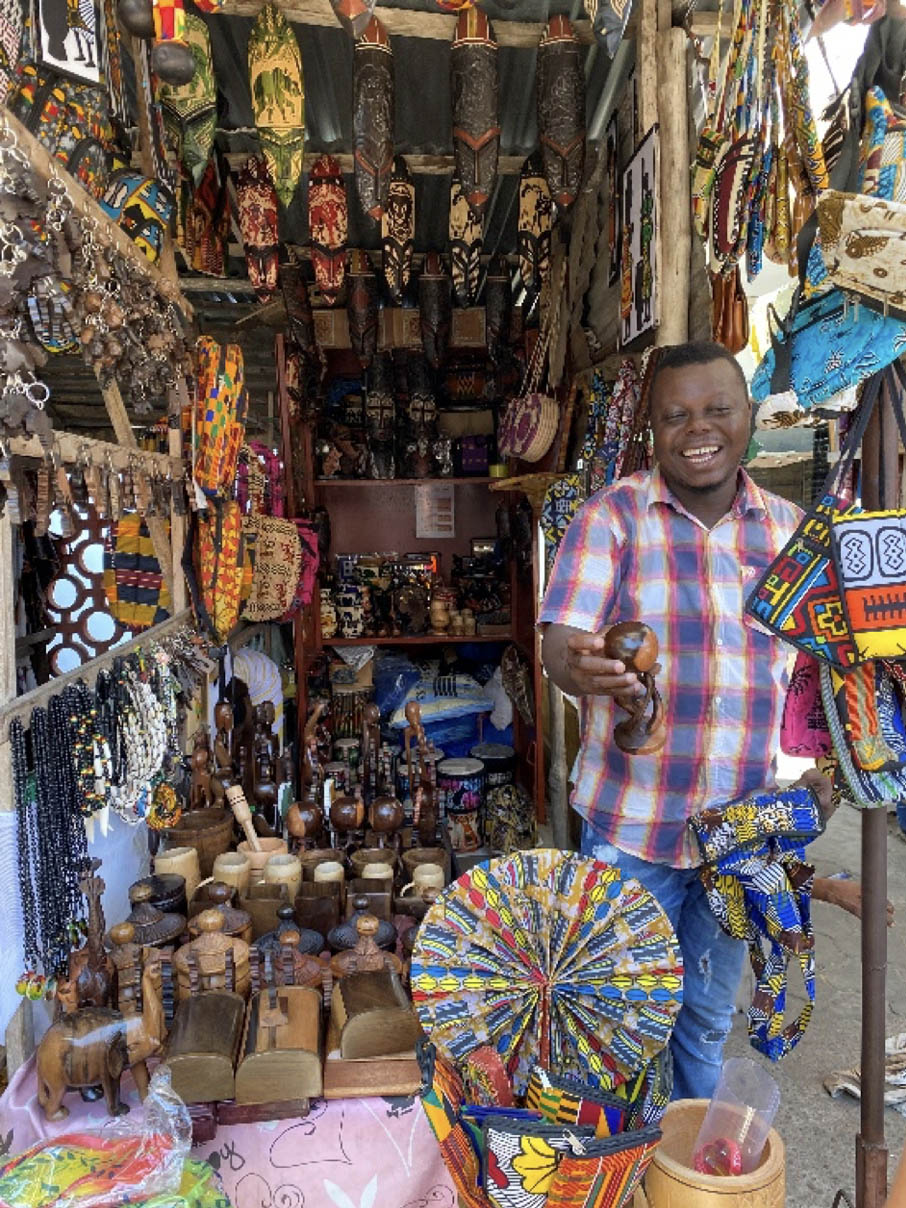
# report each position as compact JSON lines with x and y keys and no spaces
{"x":435,"y":309}
{"x":465,"y":246}
{"x":362,"y":307}
{"x":561,"y":110}
{"x":190,"y":110}
{"x":353,"y":15}
{"x":398,"y":230}
{"x":257,"y":204}
{"x":475,"y":99}
{"x":498,"y":302}
{"x":327,"y":226}
{"x":535,"y":220}
{"x":372,"y":117}
{"x":278,"y":98}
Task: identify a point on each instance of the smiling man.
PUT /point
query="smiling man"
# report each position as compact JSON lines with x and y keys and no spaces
{"x":679,"y":548}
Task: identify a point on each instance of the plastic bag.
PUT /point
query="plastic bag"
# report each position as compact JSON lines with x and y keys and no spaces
{"x":130,"y":1161}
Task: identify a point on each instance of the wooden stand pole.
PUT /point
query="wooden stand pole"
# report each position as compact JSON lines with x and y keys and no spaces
{"x":675,"y":226}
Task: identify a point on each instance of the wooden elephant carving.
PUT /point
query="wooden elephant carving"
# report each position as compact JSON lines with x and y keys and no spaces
{"x":93,"y":1046}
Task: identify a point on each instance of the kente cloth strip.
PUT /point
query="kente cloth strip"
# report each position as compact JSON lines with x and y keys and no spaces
{"x":136,"y":593}
{"x":759,"y":890}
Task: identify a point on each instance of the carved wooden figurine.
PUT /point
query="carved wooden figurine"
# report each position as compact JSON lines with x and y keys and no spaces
{"x":371,"y":748}
{"x":635,"y":645}
{"x":305,"y":822}
{"x":224,"y":774}
{"x":90,"y":968}
{"x":423,"y":799}
{"x":93,"y":1046}
{"x":201,"y":795}
{"x":347,"y":815}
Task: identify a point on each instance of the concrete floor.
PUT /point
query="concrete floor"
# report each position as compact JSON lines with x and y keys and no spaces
{"x":819,"y":1132}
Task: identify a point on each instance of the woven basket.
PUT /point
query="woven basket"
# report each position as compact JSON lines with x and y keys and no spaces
{"x":528,"y":426}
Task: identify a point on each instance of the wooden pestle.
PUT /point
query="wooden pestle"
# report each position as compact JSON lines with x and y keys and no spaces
{"x":243,"y":815}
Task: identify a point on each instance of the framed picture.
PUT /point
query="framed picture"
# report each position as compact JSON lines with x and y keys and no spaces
{"x":68,"y":38}
{"x":638,"y":250}
{"x":612,"y":169}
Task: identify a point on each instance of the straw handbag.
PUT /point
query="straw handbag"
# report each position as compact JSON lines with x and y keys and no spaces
{"x":529,"y":424}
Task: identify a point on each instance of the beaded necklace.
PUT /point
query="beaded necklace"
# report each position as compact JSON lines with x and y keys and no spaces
{"x":52,"y":846}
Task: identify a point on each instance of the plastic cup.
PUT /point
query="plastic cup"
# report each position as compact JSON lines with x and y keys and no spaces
{"x":732,"y":1137}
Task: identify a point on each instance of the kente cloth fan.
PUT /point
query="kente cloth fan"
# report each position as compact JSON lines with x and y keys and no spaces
{"x":552,"y":959}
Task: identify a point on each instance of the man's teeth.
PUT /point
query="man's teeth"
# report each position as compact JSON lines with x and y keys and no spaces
{"x":706,"y":451}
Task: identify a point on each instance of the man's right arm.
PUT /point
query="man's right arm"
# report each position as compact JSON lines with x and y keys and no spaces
{"x":574,"y":660}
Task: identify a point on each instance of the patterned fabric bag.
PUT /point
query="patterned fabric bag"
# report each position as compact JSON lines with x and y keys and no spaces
{"x":144,"y":208}
{"x":221,"y":403}
{"x":759,"y":890}
{"x":863,"y":242}
{"x":564,"y":1100}
{"x":604,"y":1174}
{"x":798,"y":596}
{"x":879,"y":789}
{"x":278,"y":566}
{"x":136,"y":593}
{"x":870,"y":557}
{"x":803,"y":727}
{"x":220,"y":573}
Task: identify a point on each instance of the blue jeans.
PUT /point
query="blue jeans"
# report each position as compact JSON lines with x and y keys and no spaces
{"x":712,"y":960}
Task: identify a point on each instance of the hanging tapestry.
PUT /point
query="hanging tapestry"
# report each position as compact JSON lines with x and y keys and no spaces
{"x":362,"y":307}
{"x":257,"y":202}
{"x":278,"y":98}
{"x":190,"y":110}
{"x":498,"y":303}
{"x":638,"y":266}
{"x":435,"y":309}
{"x":398,"y":230}
{"x":372,"y":117}
{"x":474,"y":91}
{"x":533,"y":236}
{"x":465,"y":246}
{"x":327,"y":226}
{"x":561,"y":110}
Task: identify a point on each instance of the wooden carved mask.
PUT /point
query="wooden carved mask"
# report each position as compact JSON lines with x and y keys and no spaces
{"x":561,"y":110}
{"x":498,"y":301}
{"x":474,"y":93}
{"x":398,"y":230}
{"x":257,"y":203}
{"x":327,"y":226}
{"x":435,"y":309}
{"x":465,"y":246}
{"x":362,"y":307}
{"x":372,"y":117}
{"x":278,"y":98}
{"x":535,"y":220}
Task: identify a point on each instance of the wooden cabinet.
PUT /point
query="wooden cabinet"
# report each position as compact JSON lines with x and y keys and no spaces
{"x":370,"y":516}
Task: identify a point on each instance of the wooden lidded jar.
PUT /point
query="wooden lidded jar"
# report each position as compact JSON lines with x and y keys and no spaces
{"x":203,"y":961}
{"x":236,"y":923}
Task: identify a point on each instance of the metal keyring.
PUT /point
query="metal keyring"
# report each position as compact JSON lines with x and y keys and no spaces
{"x":34,"y":395}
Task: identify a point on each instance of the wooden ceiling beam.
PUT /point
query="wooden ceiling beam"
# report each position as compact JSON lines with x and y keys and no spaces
{"x":406,"y":23}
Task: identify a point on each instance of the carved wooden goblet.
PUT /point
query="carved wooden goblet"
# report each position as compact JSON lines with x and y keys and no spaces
{"x":635,"y":645}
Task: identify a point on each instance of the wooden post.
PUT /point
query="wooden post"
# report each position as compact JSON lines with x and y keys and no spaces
{"x":675,"y":219}
{"x":647,"y":68}
{"x":558,"y":778}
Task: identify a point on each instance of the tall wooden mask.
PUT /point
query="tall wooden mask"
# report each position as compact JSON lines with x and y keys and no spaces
{"x":372,"y":117}
{"x":327,"y":226}
{"x":435,"y":309}
{"x":534,"y":231}
{"x":362,"y":307}
{"x":465,"y":246}
{"x":474,"y":93}
{"x":353,"y":15}
{"x":256,"y":200}
{"x":498,"y":302}
{"x":561,"y":110}
{"x":398,"y":230}
{"x":299,"y":318}
{"x":278,"y":98}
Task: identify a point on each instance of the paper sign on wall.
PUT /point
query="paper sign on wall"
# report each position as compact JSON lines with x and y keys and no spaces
{"x":434,"y":510}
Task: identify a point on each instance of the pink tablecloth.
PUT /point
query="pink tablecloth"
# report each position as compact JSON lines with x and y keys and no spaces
{"x":351,"y":1153}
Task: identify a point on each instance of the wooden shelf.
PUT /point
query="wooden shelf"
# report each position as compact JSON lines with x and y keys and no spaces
{"x":403,"y":482}
{"x":421,"y":639}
